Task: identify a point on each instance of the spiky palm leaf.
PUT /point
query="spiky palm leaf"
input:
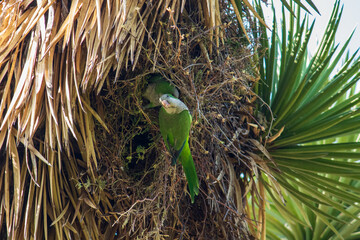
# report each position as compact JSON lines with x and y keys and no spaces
{"x":311,"y":107}
{"x":238,"y":6}
{"x":306,"y":224}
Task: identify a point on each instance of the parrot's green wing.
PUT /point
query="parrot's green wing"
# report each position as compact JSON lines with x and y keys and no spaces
{"x":157,"y":86}
{"x":175,"y":130}
{"x":176,"y":154}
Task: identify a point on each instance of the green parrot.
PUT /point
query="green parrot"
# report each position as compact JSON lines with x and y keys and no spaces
{"x":175,"y":122}
{"x":156,"y":88}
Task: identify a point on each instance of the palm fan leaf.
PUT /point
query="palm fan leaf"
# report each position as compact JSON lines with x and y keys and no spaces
{"x":314,"y":107}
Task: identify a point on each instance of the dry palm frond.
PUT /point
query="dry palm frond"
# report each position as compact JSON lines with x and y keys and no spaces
{"x":55,"y":57}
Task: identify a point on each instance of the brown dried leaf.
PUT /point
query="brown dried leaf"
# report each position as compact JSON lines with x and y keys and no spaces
{"x":17,"y":180}
{"x":61,"y":215}
{"x":261,"y":148}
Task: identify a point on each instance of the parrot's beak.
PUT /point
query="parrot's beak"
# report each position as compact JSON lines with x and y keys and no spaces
{"x":165,"y":103}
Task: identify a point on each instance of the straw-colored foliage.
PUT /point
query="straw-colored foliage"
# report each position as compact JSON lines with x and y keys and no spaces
{"x":82,"y":159}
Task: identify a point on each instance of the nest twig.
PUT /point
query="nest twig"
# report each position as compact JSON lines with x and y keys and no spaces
{"x":152,"y":195}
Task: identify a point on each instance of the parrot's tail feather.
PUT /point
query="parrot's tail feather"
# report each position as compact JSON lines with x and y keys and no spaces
{"x":190,"y":172}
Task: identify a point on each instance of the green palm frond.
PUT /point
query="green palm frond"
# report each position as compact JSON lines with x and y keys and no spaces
{"x":239,"y":5}
{"x":300,"y":3}
{"x":316,"y":114}
{"x":340,"y":189}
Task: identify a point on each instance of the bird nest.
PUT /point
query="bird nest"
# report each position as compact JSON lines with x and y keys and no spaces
{"x":149,"y":197}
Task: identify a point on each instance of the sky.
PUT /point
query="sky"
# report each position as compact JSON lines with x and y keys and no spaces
{"x":349,"y":20}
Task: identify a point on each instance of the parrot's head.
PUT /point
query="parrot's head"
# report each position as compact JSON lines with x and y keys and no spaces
{"x":172,"y":105}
